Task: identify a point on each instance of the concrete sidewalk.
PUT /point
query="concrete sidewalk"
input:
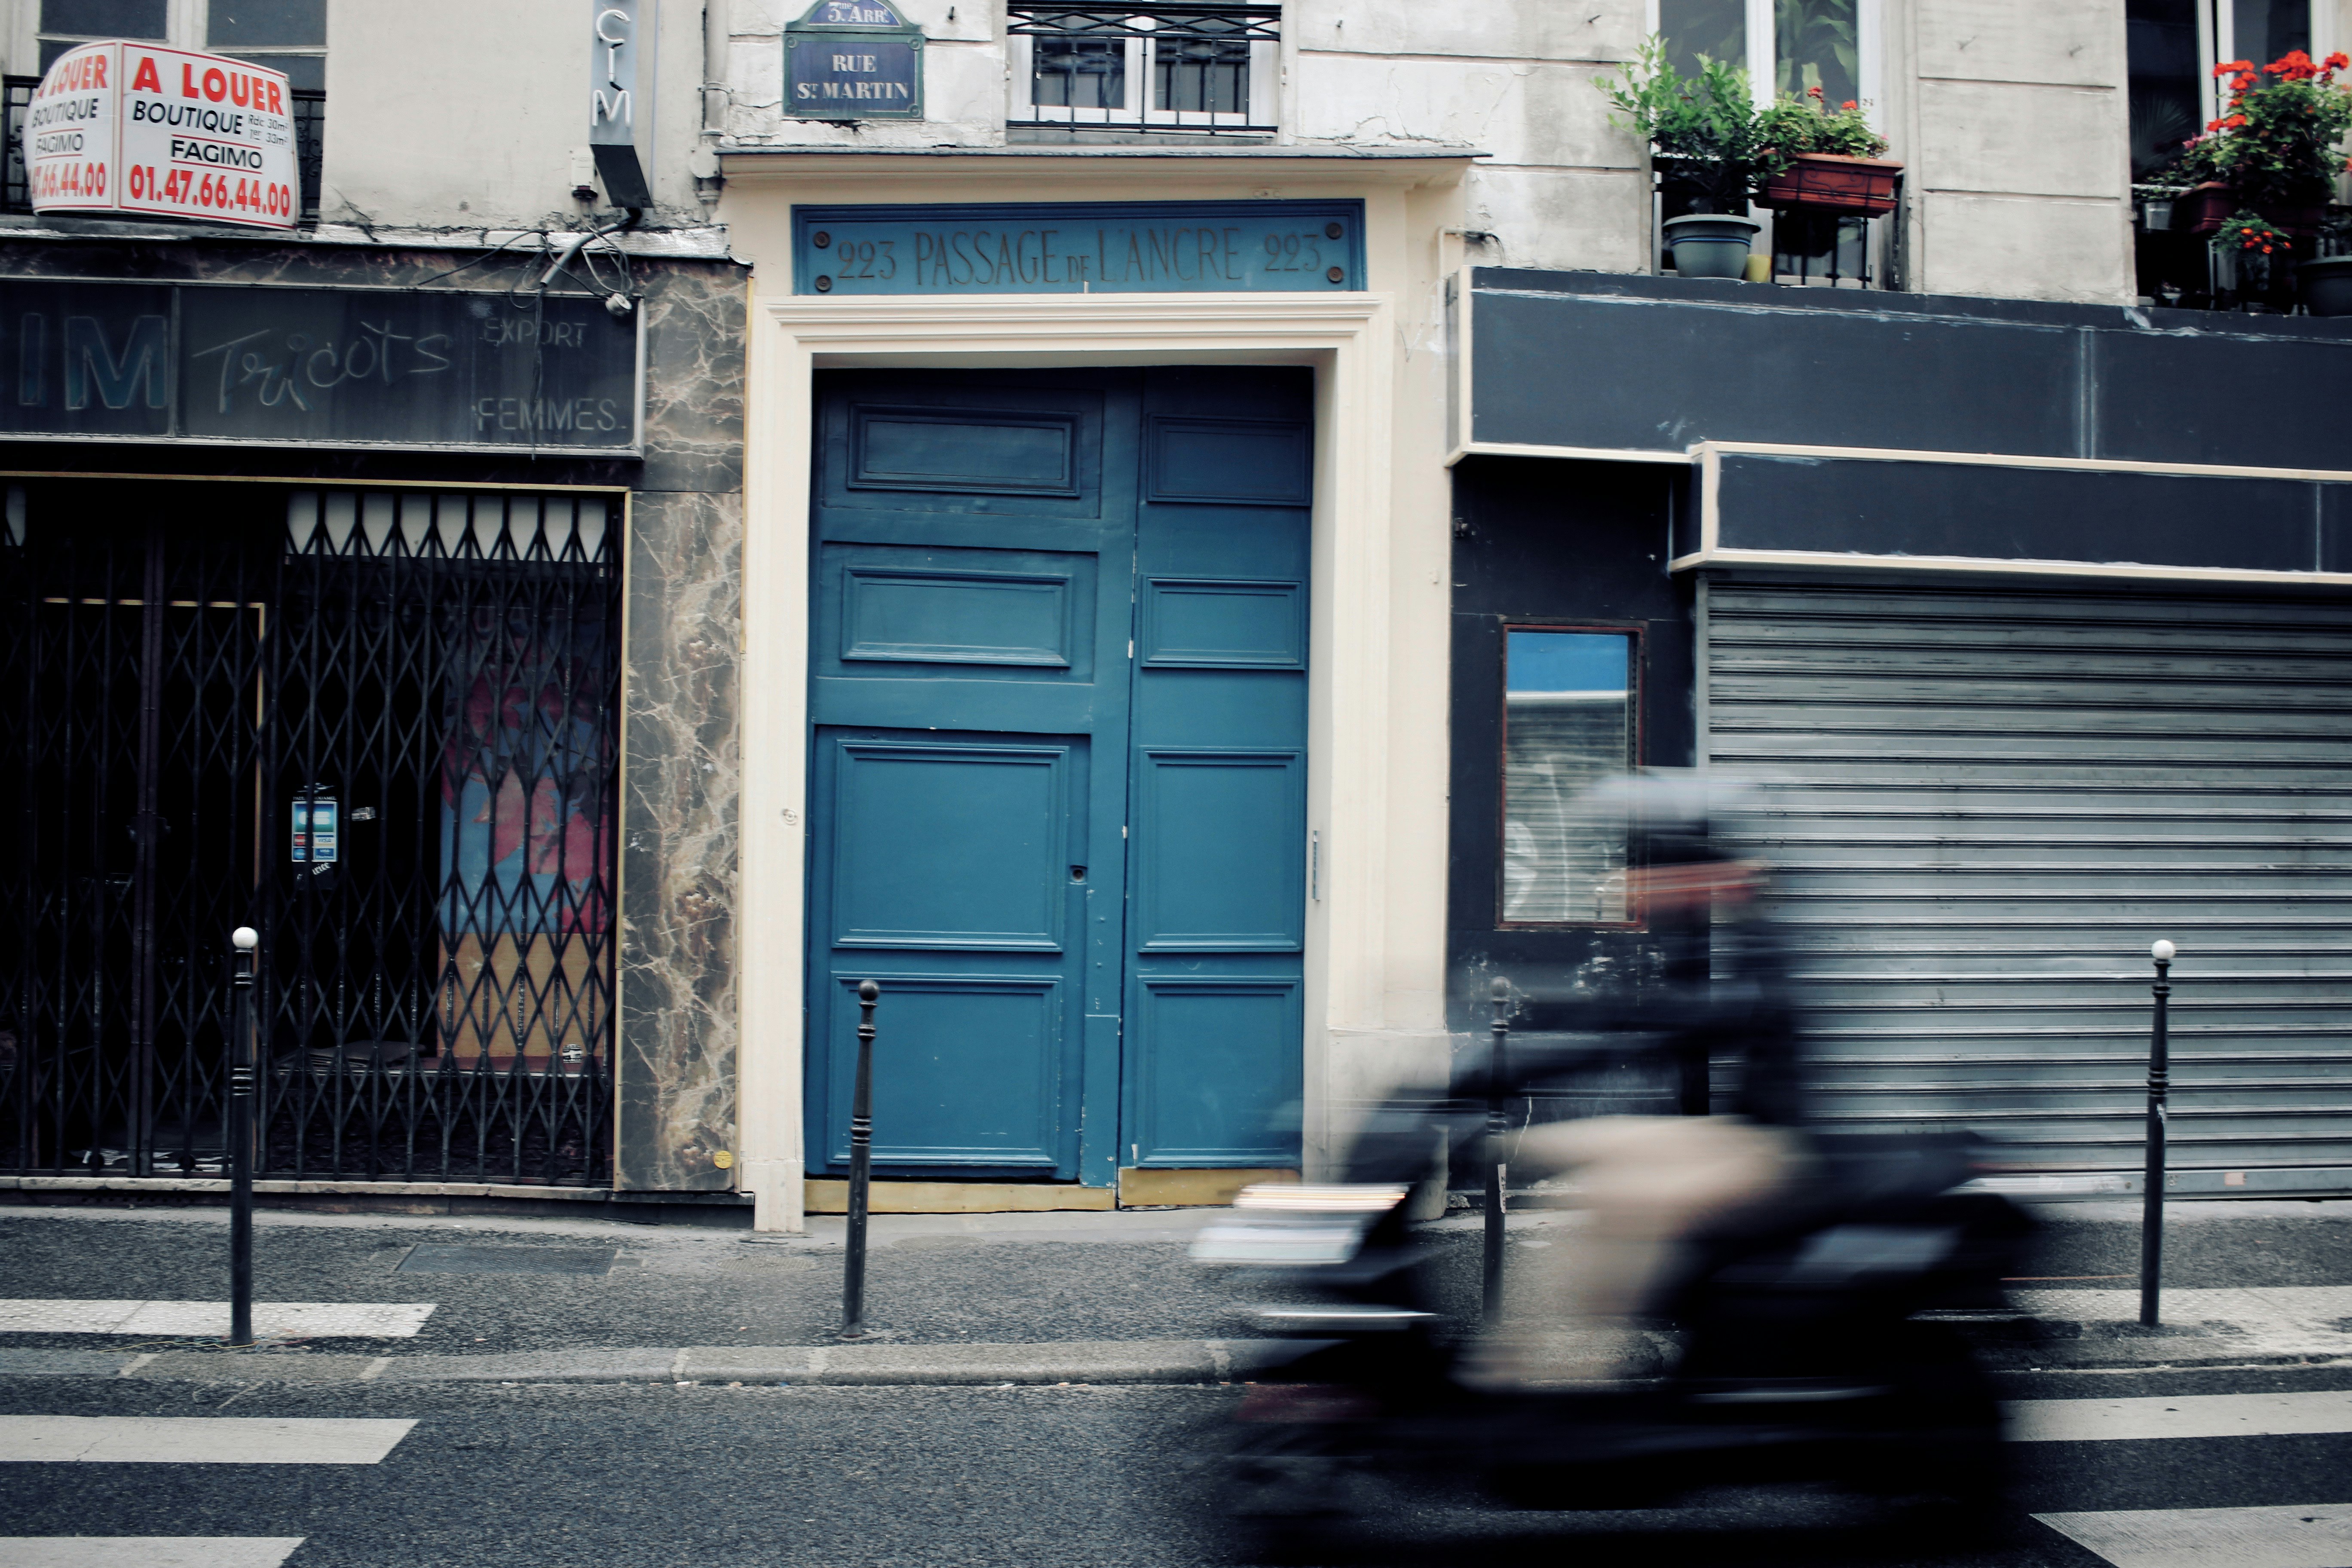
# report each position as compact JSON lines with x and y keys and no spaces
{"x":1031,"y":1298}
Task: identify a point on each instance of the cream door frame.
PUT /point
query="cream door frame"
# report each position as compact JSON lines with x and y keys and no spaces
{"x":1348,"y":338}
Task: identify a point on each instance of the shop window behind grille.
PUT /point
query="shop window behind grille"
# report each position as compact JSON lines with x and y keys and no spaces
{"x":381,"y":726}
{"x":524,"y":786}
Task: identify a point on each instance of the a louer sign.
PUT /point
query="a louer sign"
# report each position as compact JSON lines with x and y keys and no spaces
{"x":154,"y":133}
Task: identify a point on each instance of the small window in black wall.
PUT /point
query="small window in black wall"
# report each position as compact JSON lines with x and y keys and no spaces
{"x":1570,"y":708}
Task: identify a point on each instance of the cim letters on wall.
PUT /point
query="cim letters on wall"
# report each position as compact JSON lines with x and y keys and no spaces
{"x":316,"y":366}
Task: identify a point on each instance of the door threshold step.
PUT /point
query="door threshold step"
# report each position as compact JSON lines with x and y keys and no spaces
{"x":830,"y":1194}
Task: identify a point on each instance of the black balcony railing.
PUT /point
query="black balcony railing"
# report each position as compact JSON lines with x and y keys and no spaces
{"x":1201,"y":68}
{"x":309,"y":133}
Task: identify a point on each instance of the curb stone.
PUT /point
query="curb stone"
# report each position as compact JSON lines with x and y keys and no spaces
{"x":838,"y":1365}
{"x":1069,"y":1361}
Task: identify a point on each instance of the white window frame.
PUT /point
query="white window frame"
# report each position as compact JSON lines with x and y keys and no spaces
{"x":2217,"y":38}
{"x":1869,"y":50}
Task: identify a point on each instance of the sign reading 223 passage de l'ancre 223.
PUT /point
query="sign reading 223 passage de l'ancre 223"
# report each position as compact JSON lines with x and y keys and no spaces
{"x":1079,"y":248}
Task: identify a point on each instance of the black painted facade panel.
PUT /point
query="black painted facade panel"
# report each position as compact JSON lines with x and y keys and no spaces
{"x":1624,"y":362}
{"x":2247,"y":400}
{"x":1636,"y":374}
{"x":1877,"y":507}
{"x":1565,"y":544}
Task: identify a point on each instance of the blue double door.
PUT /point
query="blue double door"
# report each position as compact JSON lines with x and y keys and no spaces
{"x":1058,"y":768}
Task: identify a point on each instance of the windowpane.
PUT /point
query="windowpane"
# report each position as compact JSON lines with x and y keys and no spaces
{"x":1698,"y":30}
{"x":1078,"y":73}
{"x":2266,"y":30}
{"x":2160,"y":51}
{"x":261,"y":24}
{"x":1568,"y":723}
{"x":1813,"y":46}
{"x":303,"y":72}
{"x":1202,"y":75}
{"x":104,"y":18}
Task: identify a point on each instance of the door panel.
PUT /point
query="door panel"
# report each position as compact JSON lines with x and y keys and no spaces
{"x":1028,"y":614}
{"x":968,"y":660}
{"x":1218,"y":772}
{"x":973,"y":1070}
{"x":1214,"y":870}
{"x":952,"y":846}
{"x":1214,"y":1071}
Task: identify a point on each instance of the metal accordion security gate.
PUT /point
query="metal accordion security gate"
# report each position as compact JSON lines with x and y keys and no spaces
{"x":1983,"y":804}
{"x":382,"y":727}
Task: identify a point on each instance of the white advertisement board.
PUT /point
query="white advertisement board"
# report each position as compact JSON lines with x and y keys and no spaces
{"x":140,"y":129}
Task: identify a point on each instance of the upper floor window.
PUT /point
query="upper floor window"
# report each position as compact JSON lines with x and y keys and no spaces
{"x":1785,"y":45}
{"x":288,"y":35}
{"x":2172,"y":47}
{"x":1201,"y":67}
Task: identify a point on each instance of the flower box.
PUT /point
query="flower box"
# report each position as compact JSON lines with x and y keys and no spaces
{"x":1825,"y":182}
{"x":2210,"y":206}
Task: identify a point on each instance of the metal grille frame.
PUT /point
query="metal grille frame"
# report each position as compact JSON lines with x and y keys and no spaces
{"x":184,"y":661}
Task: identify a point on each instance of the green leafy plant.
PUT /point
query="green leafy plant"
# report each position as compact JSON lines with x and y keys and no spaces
{"x":1808,"y":124}
{"x":2249,"y":231}
{"x":2278,"y":142}
{"x":1705,"y":124}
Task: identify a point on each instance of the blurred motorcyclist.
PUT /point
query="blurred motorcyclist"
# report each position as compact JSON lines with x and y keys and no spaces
{"x":1660,"y":1194}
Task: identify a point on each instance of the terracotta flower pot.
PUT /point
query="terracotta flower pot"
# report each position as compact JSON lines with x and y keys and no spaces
{"x":1825,"y":182}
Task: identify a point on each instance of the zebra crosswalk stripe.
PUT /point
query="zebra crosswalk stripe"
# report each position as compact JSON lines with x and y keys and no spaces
{"x":197,"y":1439}
{"x":2310,"y":1536}
{"x":146,"y":1551}
{"x":2179,"y":1416}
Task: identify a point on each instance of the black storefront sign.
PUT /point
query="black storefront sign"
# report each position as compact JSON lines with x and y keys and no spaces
{"x":317,"y":367}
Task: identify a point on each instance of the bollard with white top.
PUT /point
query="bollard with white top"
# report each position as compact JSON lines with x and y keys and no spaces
{"x":2159,"y":1068}
{"x":238,"y":1132}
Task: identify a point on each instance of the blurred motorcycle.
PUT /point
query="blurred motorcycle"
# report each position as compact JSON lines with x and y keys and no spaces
{"x":1803,"y":1352}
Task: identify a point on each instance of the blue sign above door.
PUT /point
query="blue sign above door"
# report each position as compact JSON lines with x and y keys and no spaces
{"x":1080,"y":247}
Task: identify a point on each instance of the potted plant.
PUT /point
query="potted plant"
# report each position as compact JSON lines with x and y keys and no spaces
{"x":2254,"y":252}
{"x":2273,"y":150}
{"x":1825,"y":159}
{"x":2324,"y":284}
{"x":1702,"y":131}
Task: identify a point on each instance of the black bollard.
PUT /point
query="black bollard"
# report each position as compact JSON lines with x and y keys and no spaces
{"x":2159,"y":1068}
{"x":861,"y":1163}
{"x":236,"y":1131}
{"x":1497,"y":1093}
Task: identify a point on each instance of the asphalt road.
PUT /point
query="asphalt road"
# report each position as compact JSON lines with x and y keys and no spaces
{"x":655,"y":1474}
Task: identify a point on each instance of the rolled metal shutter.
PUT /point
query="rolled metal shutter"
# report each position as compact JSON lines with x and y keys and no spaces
{"x":1984,"y":806}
